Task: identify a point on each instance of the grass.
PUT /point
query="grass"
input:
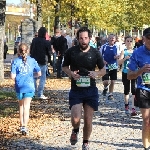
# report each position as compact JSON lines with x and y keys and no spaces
{"x":8,"y":104}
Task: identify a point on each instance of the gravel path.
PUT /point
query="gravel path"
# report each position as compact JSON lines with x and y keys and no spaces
{"x":112,"y":129}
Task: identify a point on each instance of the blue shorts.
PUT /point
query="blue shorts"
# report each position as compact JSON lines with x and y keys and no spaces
{"x":21,"y":96}
{"x":88,"y":96}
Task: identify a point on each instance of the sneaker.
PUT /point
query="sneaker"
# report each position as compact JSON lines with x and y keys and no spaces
{"x":85,"y":146}
{"x":73,"y":138}
{"x":105,"y":92}
{"x":133,"y":113}
{"x":43,"y":97}
{"x":110,"y":97}
{"x":127,"y":111}
{"x":24,"y":131}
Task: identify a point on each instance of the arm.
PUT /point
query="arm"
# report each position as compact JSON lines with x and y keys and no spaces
{"x":134,"y":74}
{"x":73,"y":74}
{"x":12,"y":76}
{"x":37,"y":74}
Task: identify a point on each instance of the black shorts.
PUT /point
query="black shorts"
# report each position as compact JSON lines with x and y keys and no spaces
{"x":142,"y":98}
{"x":110,"y":75}
{"x":88,"y":95}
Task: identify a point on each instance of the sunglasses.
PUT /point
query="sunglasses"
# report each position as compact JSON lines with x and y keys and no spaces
{"x":129,"y":41}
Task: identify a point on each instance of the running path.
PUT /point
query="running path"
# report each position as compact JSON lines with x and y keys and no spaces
{"x":112,"y":129}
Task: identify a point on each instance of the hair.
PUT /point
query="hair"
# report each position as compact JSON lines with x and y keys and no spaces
{"x":42,"y":32}
{"x":23,"y":51}
{"x":84,"y":29}
{"x":128,"y":36}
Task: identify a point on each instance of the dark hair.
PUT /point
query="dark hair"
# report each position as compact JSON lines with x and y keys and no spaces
{"x":128,"y":36}
{"x":42,"y":32}
{"x":22,"y":51}
{"x":84,"y":29}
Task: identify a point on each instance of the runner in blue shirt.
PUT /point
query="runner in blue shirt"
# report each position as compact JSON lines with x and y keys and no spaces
{"x":22,"y":70}
{"x":140,"y":60}
{"x":110,"y":53}
{"x":124,"y":60}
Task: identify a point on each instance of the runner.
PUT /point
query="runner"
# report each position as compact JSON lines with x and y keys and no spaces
{"x":110,"y":53}
{"x":124,"y":59}
{"x":79,"y":63}
{"x":139,"y":67}
{"x":22,"y":69}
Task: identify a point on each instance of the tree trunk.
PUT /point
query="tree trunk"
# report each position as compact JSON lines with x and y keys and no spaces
{"x":39,"y":14}
{"x":56,"y":23}
{"x":2,"y":33}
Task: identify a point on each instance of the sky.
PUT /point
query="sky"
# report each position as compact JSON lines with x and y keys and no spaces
{"x":13,"y":1}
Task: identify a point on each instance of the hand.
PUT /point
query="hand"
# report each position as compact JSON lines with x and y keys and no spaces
{"x":58,"y":53}
{"x":105,"y":62}
{"x":92,"y":74}
{"x":146,"y":68}
{"x":53,"y":51}
{"x":75,"y":75}
{"x":127,"y":57}
{"x":116,"y":57}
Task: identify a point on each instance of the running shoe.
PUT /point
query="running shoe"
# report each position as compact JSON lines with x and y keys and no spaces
{"x":133,"y":113}
{"x":110,"y":97}
{"x":43,"y":97}
{"x":105,"y":92}
{"x":127,"y":111}
{"x":85,"y":146}
{"x":24,"y":131}
{"x":73,"y":138}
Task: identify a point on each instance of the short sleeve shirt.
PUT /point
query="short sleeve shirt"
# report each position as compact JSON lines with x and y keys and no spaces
{"x":24,"y":81}
{"x":139,"y":58}
{"x":83,"y":61}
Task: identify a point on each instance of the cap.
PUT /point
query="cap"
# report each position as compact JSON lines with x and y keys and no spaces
{"x":146,"y":32}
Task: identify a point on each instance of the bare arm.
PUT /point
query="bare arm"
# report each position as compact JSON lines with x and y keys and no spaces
{"x":134,"y":74}
{"x":12,"y":76}
{"x":122,"y":59}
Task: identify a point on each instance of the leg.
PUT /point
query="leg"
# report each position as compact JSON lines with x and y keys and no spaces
{"x":111,"y":86}
{"x":76,"y":113}
{"x":54,"y":62}
{"x":21,"y":112}
{"x":145,"y":127}
{"x":88,"y":116}
{"x":59,"y":63}
{"x":26,"y":110}
{"x":42,"y":80}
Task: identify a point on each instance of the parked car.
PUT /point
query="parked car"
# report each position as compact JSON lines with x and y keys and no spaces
{"x":17,"y":41}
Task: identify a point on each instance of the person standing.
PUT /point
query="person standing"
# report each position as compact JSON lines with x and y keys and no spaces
{"x":79,"y":64}
{"x":59,"y":46}
{"x":22,"y":69}
{"x":139,"y":67}
{"x":110,"y":53}
{"x":5,"y":49}
{"x":124,"y":59}
{"x":40,"y":50}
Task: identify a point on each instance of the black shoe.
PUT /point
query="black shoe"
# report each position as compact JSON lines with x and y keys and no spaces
{"x":110,"y":97}
{"x":105,"y":92}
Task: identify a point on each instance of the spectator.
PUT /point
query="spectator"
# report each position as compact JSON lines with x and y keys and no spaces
{"x":40,"y":50}
{"x":59,"y":46}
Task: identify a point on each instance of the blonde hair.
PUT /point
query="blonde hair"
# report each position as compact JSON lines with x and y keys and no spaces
{"x":23,"y":51}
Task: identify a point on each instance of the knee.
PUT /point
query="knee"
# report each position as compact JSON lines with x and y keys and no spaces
{"x":146,"y":123}
{"x":76,"y":120}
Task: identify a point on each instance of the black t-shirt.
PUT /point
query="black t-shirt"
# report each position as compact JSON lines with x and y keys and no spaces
{"x":83,"y":61}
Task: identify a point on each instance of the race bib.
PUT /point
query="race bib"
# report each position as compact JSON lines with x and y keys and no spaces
{"x":112,"y":66}
{"x":84,"y":81}
{"x":146,"y":78}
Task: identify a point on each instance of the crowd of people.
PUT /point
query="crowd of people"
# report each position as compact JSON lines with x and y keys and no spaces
{"x":84,"y":58}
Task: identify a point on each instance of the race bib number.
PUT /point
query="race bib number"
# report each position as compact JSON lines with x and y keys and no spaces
{"x":84,"y":81}
{"x":112,"y":66}
{"x":146,"y":78}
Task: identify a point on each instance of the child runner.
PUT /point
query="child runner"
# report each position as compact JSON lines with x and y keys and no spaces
{"x":22,"y":69}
